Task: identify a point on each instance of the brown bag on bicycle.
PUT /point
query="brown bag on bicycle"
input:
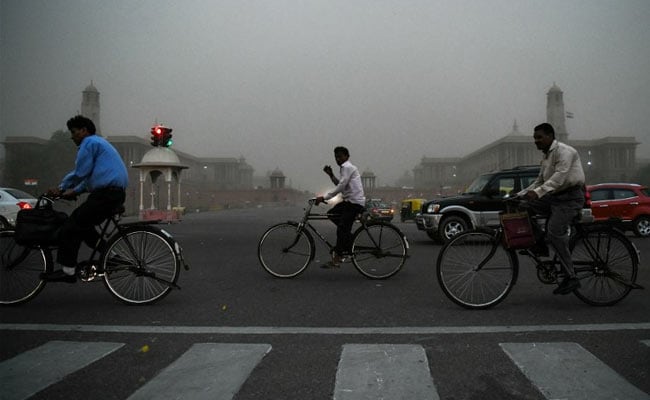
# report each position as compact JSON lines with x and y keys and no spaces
{"x":517,"y":230}
{"x":38,"y":225}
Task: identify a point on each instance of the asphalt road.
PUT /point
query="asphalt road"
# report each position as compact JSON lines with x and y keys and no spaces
{"x":309,"y":321}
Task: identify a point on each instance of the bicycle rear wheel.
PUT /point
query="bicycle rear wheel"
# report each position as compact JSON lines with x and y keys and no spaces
{"x":606,"y":264}
{"x":20,"y":270}
{"x":285,"y":250}
{"x":379,"y":250}
{"x":475,"y":271}
{"x":140,"y":266}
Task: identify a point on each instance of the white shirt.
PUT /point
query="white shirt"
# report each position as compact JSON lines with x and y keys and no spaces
{"x":561,"y":169}
{"x":349,"y":185}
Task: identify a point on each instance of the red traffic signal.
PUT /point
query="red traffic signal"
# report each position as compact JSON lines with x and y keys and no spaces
{"x":161,"y":136}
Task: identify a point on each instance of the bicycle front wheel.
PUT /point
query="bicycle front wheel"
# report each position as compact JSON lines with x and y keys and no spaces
{"x":140,"y":266}
{"x":20,"y":270}
{"x":285,"y":250}
{"x":606,"y":264}
{"x":475,"y":271}
{"x":379,"y":250}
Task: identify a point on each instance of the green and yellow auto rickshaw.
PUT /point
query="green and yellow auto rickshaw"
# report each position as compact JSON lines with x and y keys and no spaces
{"x":410,"y":207}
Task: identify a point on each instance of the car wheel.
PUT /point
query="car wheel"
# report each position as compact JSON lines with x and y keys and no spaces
{"x":642,"y":226}
{"x":452,"y":226}
{"x":4,"y":224}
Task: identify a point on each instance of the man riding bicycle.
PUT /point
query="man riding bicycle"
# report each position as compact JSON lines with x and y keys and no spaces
{"x":344,"y":213}
{"x":99,"y":170}
{"x":558,"y":192}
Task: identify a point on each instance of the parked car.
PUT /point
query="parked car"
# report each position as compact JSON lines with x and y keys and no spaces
{"x":379,"y":210}
{"x":627,"y":203}
{"x":410,"y":208}
{"x":12,"y":201}
{"x":479,"y":206}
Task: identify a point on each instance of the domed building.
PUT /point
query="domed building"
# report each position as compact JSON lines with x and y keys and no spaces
{"x":157,"y":163}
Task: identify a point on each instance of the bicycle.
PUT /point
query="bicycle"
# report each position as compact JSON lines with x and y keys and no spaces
{"x":379,"y":249}
{"x":477,"y":271}
{"x":139,"y":264}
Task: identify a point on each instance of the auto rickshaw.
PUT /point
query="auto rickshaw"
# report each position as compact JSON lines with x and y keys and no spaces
{"x":410,"y":207}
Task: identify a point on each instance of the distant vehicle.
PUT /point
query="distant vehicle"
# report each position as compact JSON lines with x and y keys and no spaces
{"x":12,"y":201}
{"x":379,"y":210}
{"x":410,"y":208}
{"x":627,"y":202}
{"x":479,"y":206}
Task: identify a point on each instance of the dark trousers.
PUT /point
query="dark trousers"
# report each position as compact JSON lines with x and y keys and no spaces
{"x":562,"y":209}
{"x":343,"y":215}
{"x":80,"y":226}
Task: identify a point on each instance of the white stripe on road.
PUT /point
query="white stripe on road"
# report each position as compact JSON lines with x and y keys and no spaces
{"x":206,"y":371}
{"x":384,"y":371}
{"x":568,"y":371}
{"x":36,"y":369}
{"x":297,"y":330}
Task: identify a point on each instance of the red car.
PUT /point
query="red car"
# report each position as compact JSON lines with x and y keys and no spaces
{"x":628,"y":202}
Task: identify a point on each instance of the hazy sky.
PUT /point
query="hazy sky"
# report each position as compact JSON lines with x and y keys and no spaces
{"x":282,"y":82}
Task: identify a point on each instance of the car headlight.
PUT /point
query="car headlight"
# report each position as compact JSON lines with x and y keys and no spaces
{"x":433,"y":208}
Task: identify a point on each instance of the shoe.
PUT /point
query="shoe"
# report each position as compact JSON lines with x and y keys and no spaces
{"x":567,"y":286}
{"x":330,"y":265}
{"x":58,"y":276}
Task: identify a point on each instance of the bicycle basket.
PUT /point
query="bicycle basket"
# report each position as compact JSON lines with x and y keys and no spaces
{"x":517,"y":230}
{"x":38,"y":225}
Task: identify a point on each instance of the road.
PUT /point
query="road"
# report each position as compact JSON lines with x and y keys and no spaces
{"x":325,"y":334}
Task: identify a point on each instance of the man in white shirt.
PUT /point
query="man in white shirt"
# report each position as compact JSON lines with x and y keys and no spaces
{"x":344,"y":213}
{"x":558,"y":192}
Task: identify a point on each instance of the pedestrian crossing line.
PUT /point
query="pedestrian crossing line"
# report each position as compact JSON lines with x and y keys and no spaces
{"x":34,"y":370}
{"x":568,"y":371}
{"x":205,"y":371}
{"x":384,"y":371}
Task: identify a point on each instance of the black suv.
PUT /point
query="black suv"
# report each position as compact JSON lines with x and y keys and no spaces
{"x":480,"y":206}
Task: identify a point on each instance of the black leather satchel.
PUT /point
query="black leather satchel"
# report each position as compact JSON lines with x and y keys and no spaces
{"x":38,"y":225}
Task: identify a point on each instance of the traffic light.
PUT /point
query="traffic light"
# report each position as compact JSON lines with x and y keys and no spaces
{"x":156,"y":135}
{"x":161,"y":136}
{"x":167,"y":137}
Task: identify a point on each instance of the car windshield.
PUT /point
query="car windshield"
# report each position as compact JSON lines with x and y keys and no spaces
{"x":19,"y":194}
{"x":479,"y":183}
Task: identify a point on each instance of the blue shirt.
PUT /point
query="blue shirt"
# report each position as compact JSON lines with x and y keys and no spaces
{"x":98,"y":165}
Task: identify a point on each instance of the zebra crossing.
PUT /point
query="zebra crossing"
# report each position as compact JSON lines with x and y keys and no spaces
{"x":559,"y":370}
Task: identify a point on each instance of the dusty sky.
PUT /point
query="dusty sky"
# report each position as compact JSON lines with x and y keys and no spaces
{"x":282,"y":82}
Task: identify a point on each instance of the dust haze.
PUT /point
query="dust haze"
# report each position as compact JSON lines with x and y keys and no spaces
{"x":283,"y":82}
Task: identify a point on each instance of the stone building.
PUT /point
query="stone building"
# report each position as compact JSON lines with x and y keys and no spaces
{"x":611,"y":158}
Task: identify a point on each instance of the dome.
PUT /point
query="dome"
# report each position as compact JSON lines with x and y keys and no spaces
{"x":277,"y":173}
{"x":554,"y":88}
{"x":91,"y":88}
{"x":160,"y":156}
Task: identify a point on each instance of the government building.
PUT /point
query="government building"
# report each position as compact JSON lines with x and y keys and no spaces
{"x":608,"y":159}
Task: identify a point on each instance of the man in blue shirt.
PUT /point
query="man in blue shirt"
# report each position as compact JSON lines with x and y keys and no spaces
{"x":100,"y":171}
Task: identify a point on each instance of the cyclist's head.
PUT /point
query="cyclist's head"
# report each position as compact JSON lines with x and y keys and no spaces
{"x":80,"y":122}
{"x":341,"y":154}
{"x":544,"y":136}
{"x":546,"y":128}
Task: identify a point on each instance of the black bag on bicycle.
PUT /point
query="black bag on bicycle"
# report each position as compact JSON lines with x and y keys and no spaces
{"x":38,"y":225}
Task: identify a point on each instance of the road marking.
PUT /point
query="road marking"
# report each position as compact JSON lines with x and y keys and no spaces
{"x":205,"y":371}
{"x":646,"y":342}
{"x":384,"y":371}
{"x":289,"y":330}
{"x":34,"y":370}
{"x":568,"y":371}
